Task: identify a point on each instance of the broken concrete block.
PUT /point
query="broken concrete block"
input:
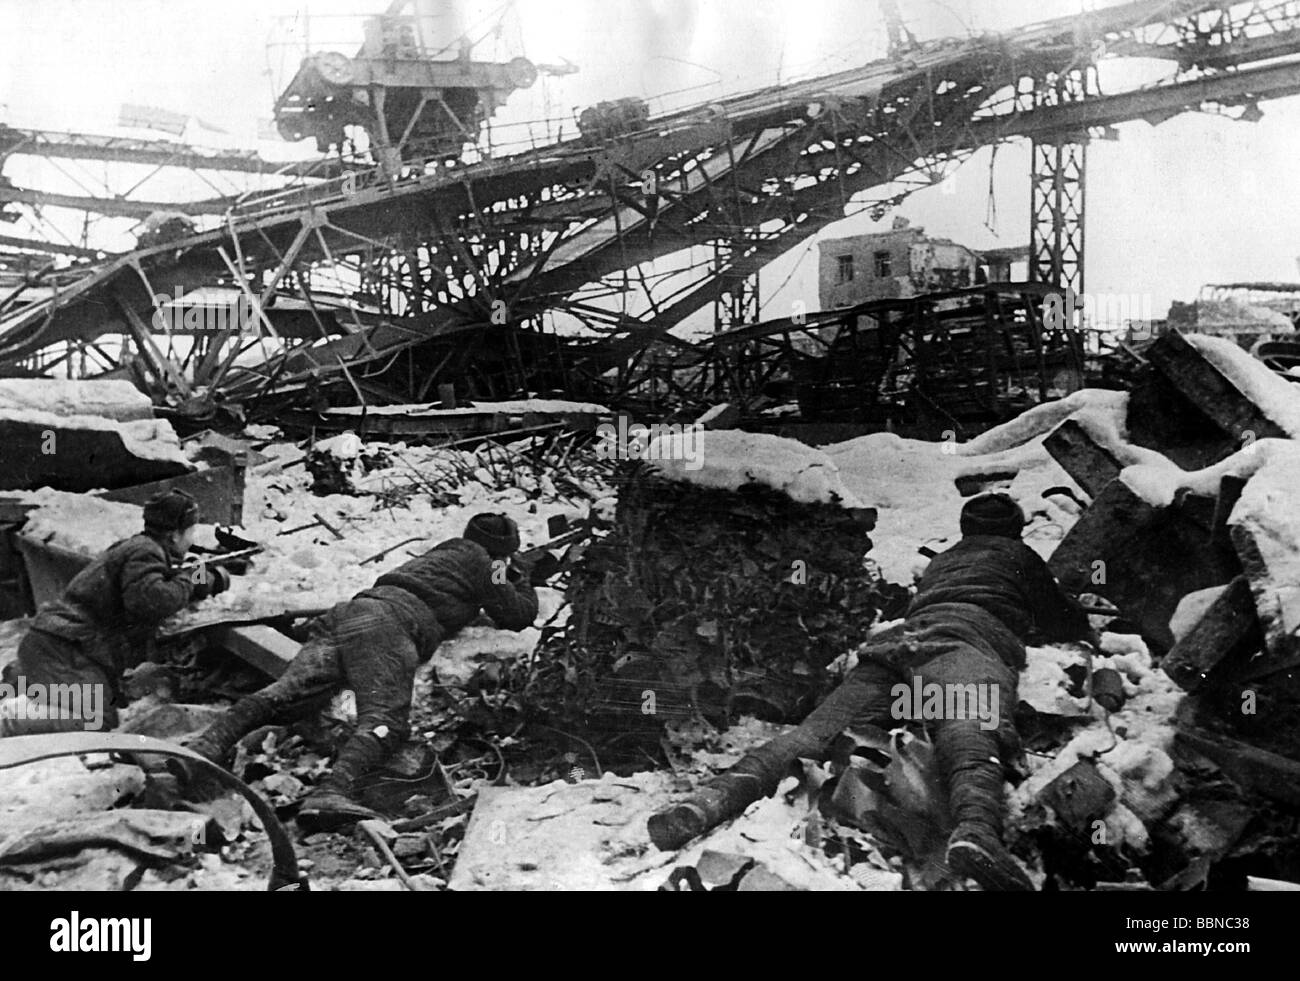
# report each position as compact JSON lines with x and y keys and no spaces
{"x":1160,"y":418}
{"x":1143,"y":558}
{"x":1266,"y":534}
{"x":1201,"y":382}
{"x":762,"y":880}
{"x":219,"y":492}
{"x":1227,"y":633}
{"x":1089,"y":464}
{"x":1115,"y":519}
{"x":1254,"y":770}
{"x":82,"y":453}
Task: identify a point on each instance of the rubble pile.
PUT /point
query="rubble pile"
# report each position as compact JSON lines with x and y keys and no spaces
{"x":1189,"y":535}
{"x":715,"y":600}
{"x":737,"y":583}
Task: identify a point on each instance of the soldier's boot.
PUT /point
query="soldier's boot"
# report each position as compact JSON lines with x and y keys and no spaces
{"x":977,"y":853}
{"x":217,"y":740}
{"x":333,"y":803}
{"x":974,"y":775}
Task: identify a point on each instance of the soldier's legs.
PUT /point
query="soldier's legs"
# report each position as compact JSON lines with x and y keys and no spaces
{"x":379,"y":660}
{"x":970,"y":752}
{"x":68,"y":691}
{"x":315,"y":671}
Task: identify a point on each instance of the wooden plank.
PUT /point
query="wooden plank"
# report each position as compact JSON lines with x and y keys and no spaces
{"x":1227,"y":633}
{"x":265,"y":648}
{"x":1089,"y":464}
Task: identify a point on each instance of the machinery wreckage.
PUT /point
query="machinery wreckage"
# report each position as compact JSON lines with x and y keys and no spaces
{"x":340,"y":369}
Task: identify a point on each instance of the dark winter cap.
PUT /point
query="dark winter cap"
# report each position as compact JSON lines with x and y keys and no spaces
{"x":992,"y":514}
{"x":495,"y":532}
{"x":172,"y":510}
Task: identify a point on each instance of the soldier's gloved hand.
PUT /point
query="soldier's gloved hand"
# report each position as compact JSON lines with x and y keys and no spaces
{"x":220,"y":580}
{"x":519,"y":569}
{"x":546,"y":566}
{"x":214,"y":580}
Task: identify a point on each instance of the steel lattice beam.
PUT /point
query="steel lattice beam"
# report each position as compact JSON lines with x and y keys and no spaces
{"x":569,"y":226}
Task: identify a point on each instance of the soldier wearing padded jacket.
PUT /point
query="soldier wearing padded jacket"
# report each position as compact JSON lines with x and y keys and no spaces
{"x":373,"y":644}
{"x":104,"y":621}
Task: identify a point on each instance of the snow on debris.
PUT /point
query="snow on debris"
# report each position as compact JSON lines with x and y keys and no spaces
{"x":70,"y":397}
{"x":912,"y":484}
{"x":1276,"y":397}
{"x":729,"y":459}
{"x":1131,"y":747}
{"x":304,"y":565}
{"x":1267,"y":512}
{"x":515,"y":407}
{"x":79,"y":523}
{"x":1042,"y":419}
{"x":1159,"y":480}
{"x":146,"y":439}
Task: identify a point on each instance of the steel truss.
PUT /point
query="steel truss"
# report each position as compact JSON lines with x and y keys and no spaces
{"x":630,"y":236}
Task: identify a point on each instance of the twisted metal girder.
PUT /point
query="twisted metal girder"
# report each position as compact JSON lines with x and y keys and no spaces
{"x":572,"y":226}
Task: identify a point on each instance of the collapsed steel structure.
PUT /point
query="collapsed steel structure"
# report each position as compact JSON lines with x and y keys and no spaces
{"x":435,"y":254}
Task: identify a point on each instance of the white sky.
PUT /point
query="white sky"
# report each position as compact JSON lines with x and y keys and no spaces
{"x":1198,"y":199}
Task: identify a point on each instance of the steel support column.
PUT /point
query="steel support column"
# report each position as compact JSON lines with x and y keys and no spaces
{"x":1057,"y":191}
{"x":1056,"y":240}
{"x":737,"y":304}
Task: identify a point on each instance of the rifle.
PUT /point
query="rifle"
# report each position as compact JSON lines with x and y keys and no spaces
{"x":539,"y":563}
{"x":216,"y":560}
{"x":570,"y":537}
